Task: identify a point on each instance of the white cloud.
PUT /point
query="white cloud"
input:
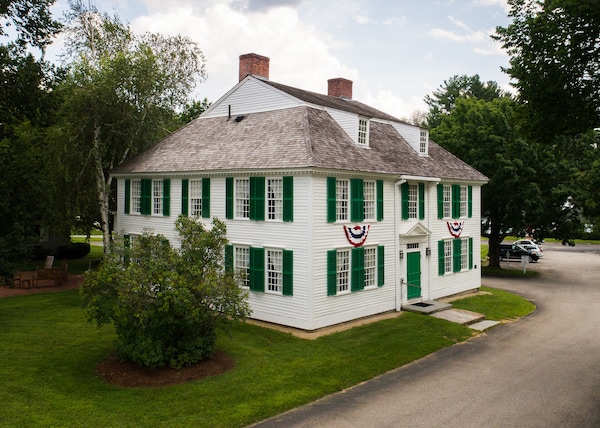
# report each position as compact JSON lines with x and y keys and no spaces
{"x":397,"y":106}
{"x":395,"y":20}
{"x":300,"y":54}
{"x":361,"y":19}
{"x":502,"y":3}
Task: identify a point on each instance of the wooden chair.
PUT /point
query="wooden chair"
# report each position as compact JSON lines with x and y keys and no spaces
{"x":42,"y":274}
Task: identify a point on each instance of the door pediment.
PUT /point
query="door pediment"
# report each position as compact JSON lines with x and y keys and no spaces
{"x":414,"y":229}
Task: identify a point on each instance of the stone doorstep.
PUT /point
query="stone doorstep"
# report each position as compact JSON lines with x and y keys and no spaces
{"x":427,"y":307}
{"x":459,"y":316}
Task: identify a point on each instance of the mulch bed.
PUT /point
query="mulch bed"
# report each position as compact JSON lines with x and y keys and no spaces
{"x":128,"y":374}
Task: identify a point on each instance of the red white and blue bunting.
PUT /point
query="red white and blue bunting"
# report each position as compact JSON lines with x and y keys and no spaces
{"x":456,"y":228}
{"x":357,"y":235}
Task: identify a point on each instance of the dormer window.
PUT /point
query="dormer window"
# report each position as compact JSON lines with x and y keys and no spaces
{"x":423,"y":141}
{"x":363,"y":131}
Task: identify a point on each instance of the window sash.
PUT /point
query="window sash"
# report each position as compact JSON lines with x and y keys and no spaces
{"x":463,"y":201}
{"x":447,"y":256}
{"x":275,"y":199}
{"x":195,"y":197}
{"x":157,"y":196}
{"x":242,"y":198}
{"x":343,"y":271}
{"x":370,"y":267}
{"x":447,"y":201}
{"x":464,"y":254}
{"x":370,"y":200}
{"x":274,"y":271}
{"x":342,"y":200}
{"x":241,"y":264}
{"x":363,"y":131}
{"x":136,"y":196}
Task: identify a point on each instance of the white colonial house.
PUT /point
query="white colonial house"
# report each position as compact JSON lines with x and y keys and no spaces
{"x":334,"y":210}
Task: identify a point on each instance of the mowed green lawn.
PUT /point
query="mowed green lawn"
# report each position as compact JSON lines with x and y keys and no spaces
{"x":49,"y":354}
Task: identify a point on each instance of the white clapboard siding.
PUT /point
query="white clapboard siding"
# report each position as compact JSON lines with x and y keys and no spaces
{"x":411,"y":133}
{"x":251,"y":96}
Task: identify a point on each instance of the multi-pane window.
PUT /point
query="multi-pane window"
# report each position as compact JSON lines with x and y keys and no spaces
{"x":342,"y":200}
{"x":157,"y":196}
{"x":242,"y":197}
{"x":242,"y":264}
{"x":195,"y":197}
{"x":369,"y":200}
{"x":413,"y":200}
{"x":343,"y":270}
{"x":464,"y":254}
{"x":423,"y":142}
{"x":136,"y":196}
{"x":274,"y":271}
{"x":274,"y":198}
{"x":447,"y":256}
{"x":463,"y":201}
{"x":370,"y":267}
{"x":447,"y":201}
{"x":363,"y":131}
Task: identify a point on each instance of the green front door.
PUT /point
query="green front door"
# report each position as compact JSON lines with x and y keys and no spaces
{"x":413,"y":268}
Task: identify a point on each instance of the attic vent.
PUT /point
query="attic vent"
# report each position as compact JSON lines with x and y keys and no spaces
{"x":239,"y":118}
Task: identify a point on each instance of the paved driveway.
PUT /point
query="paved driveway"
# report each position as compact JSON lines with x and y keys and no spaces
{"x":541,"y":371}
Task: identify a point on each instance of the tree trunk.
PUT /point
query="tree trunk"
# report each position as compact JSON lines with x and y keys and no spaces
{"x":103,"y":187}
{"x":494,"y":239}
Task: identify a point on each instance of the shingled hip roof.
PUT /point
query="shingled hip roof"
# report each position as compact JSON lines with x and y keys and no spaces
{"x":294,"y":138}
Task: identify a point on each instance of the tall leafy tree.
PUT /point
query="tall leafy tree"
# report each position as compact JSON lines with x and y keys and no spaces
{"x":442,"y":101}
{"x":26,"y":108}
{"x":121,"y":94}
{"x":32,"y":20}
{"x":486,"y":135}
{"x":554,"y":49}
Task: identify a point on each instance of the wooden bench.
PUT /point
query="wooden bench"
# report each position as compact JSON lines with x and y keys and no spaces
{"x":42,"y":274}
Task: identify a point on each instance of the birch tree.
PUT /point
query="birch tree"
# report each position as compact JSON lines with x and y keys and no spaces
{"x":121,"y":95}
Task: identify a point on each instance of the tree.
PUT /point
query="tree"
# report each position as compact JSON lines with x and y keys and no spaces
{"x":166,"y":303}
{"x":32,"y":20}
{"x":193,"y":110}
{"x":486,"y":135}
{"x":554,"y":49}
{"x":121,"y":94}
{"x":443,"y":100}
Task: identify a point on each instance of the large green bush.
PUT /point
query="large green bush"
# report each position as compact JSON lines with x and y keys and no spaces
{"x":166,"y":303}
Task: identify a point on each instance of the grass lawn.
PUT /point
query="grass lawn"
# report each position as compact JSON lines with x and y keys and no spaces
{"x":49,"y":353}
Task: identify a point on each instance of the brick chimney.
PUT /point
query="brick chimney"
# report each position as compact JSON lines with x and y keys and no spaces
{"x":254,"y":64}
{"x":339,"y":87}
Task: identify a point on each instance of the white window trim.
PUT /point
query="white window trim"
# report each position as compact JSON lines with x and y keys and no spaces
{"x":343,"y":273}
{"x":362,"y":137}
{"x":274,"y":203}
{"x":277,"y":271}
{"x":370,"y":204}
{"x":241,"y":205}
{"x":342,"y":206}
{"x":195,"y":193}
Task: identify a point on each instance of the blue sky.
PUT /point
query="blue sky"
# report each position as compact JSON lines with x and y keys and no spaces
{"x":395,"y":52}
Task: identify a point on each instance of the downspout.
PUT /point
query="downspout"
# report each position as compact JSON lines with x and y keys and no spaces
{"x":397,"y":215}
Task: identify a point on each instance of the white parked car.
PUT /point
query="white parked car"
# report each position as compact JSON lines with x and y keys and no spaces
{"x":530,"y":245}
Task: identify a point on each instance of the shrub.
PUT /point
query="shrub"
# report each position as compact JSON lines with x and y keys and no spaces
{"x":166,"y":303}
{"x":75,"y":250}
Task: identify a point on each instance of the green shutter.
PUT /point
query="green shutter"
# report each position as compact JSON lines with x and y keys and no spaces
{"x":455,"y":201}
{"x":441,"y":261}
{"x":229,"y":258}
{"x":288,"y":198}
{"x":470,"y":201}
{"x":404,"y":198}
{"x":440,"y":200}
{"x":470,"y":253}
{"x":288,"y":273}
{"x":421,"y":201}
{"x":229,"y":197}
{"x":257,"y":198}
{"x":331,"y":199}
{"x":357,"y":200}
{"x":146,"y":196}
{"x":185,"y":193}
{"x":456,"y":253}
{"x":257,"y":269}
{"x":331,"y":272}
{"x":127,"y":196}
{"x":357,"y":275}
{"x":379,"y":190}
{"x":167,"y":197}
{"x":206,"y":197}
{"x":380,"y":266}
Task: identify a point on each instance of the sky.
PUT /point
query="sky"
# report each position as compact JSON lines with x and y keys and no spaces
{"x":395,"y":51}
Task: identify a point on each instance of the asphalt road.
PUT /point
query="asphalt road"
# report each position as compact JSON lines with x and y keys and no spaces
{"x":540,"y":371}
